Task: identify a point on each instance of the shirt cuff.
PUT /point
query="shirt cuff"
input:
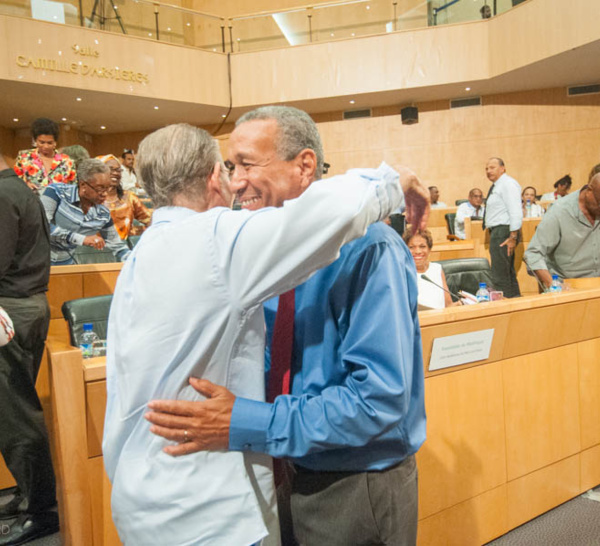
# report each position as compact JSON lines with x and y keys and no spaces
{"x":248,"y":427}
{"x":78,"y":238}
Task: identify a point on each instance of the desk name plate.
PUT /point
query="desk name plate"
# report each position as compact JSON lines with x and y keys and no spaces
{"x":460,"y":349}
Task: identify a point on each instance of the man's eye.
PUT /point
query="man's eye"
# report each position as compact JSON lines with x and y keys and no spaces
{"x":229,"y":166}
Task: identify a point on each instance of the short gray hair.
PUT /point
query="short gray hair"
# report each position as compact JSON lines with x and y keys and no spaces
{"x":297,"y":131}
{"x":77,"y":153}
{"x":177,"y":159}
{"x":89,"y":168}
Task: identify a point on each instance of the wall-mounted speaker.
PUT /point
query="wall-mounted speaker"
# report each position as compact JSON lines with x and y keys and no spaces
{"x":410,"y":115}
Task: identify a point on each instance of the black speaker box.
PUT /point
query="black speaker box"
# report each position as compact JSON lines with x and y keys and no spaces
{"x":410,"y":115}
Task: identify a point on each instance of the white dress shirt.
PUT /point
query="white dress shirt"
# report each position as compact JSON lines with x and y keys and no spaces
{"x":188,"y":303}
{"x":504,"y":207}
{"x":431,"y":296}
{"x":466,"y":210}
{"x":128,"y":179}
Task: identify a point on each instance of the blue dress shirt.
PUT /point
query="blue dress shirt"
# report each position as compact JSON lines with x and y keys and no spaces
{"x":357,"y":400}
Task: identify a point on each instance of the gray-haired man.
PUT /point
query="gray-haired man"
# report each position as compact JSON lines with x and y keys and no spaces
{"x":355,"y":413}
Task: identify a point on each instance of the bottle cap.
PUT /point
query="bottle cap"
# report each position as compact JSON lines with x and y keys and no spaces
{"x":482,"y":285}
{"x":88,"y":327}
{"x":555,"y":277}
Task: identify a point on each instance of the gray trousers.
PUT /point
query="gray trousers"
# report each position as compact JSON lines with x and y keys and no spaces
{"x":356,"y":508}
{"x":23,"y":435}
{"x":504,"y":275}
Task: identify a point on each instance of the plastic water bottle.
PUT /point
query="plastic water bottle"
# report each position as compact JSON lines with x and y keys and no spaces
{"x":528,"y":209}
{"x":87,"y":340}
{"x":483,"y":294}
{"x":556,"y":285}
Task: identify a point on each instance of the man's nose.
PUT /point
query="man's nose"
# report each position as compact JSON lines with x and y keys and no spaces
{"x":237,"y":180}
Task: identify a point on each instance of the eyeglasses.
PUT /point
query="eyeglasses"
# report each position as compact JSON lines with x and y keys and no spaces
{"x":100,"y":191}
{"x":127,"y":151}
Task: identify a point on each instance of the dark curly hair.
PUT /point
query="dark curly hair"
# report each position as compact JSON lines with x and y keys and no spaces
{"x":44,"y":126}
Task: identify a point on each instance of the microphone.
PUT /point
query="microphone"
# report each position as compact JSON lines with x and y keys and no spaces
{"x":426,"y":278}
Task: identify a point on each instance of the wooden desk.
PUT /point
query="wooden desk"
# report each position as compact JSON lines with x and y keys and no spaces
{"x":508,"y":438}
{"x":67,"y":282}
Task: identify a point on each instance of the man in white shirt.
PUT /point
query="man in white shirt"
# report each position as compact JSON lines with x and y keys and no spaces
{"x":503,"y":217}
{"x":128,"y":177}
{"x":434,"y":194}
{"x":473,"y":209}
{"x":188,"y":304}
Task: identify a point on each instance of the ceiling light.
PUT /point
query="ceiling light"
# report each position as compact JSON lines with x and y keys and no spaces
{"x":169,"y":29}
{"x":102,"y":127}
{"x":63,"y":119}
{"x":15,"y":120}
{"x":352,"y":101}
{"x":156,"y":107}
{"x":187,"y":24}
{"x":223,"y":115}
{"x":353,"y":34}
{"x":467,"y":89}
{"x":78,"y":99}
{"x":96,"y":42}
{"x":368,"y":7}
{"x":149,"y":33}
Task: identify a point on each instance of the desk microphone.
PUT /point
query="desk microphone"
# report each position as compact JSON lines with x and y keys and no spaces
{"x":426,"y":278}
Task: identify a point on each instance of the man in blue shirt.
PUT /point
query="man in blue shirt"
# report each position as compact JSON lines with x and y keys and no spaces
{"x":355,"y":413}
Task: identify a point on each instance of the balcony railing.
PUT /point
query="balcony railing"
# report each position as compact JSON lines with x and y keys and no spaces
{"x":320,"y":22}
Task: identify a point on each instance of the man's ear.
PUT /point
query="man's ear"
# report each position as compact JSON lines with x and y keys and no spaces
{"x":307,"y":161}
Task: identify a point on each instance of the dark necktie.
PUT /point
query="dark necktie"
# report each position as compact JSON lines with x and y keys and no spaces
{"x":486,"y":205}
{"x":281,"y":347}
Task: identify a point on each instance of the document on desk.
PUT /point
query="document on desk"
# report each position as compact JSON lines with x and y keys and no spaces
{"x":460,"y":349}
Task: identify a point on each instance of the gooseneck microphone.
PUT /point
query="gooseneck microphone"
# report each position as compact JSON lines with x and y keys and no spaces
{"x":426,"y":278}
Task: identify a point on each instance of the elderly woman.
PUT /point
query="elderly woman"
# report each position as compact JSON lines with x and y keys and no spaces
{"x":124,"y":206}
{"x":529,"y":196}
{"x":43,"y":164}
{"x":561,"y":188}
{"x":420,"y":244}
{"x":77,"y":216}
{"x":77,"y":153}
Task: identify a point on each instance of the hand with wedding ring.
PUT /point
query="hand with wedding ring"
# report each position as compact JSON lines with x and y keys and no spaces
{"x":96,"y":241}
{"x":194,"y":426}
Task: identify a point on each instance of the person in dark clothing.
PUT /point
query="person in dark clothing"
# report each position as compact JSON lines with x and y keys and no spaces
{"x":24,"y":275}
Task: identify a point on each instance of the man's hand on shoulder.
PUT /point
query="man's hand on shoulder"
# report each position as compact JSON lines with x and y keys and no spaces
{"x":196,"y":426}
{"x":416,"y":197}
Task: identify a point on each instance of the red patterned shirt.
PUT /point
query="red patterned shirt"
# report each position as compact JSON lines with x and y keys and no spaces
{"x":30,"y":167}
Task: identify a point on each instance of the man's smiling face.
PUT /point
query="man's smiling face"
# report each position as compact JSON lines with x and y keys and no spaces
{"x":259,"y":177}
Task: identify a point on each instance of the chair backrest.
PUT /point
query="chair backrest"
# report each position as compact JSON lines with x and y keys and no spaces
{"x":132,"y":240}
{"x":450,"y":217}
{"x":398,"y":223}
{"x":94,"y":310}
{"x":466,"y":274}
{"x":89,"y":255}
{"x":459,"y":202}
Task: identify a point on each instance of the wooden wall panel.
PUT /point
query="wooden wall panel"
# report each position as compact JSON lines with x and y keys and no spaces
{"x":104,"y":531}
{"x":541,"y":397}
{"x":95,"y":406}
{"x":472,"y":523}
{"x":99,"y":284}
{"x":589,"y":389}
{"x":63,"y":288}
{"x":542,"y":490}
{"x":590,"y":468}
{"x":463,"y":456}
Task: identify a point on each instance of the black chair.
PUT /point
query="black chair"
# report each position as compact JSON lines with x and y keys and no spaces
{"x":94,"y":310}
{"x":459,"y":202}
{"x":89,"y":255}
{"x":450,"y":217}
{"x":466,"y":274}
{"x":132,"y":240}
{"x":398,"y":223}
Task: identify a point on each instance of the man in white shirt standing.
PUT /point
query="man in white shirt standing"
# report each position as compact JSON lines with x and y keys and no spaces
{"x":128,"y":176}
{"x":503,"y":217}
{"x":473,"y":209}
{"x":188,"y":304}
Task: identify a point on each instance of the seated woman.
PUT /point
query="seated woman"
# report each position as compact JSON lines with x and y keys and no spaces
{"x":77,"y":216}
{"x":420,"y":244}
{"x":43,"y":164}
{"x":536,"y":210}
{"x":561,"y":188}
{"x":124,"y":206}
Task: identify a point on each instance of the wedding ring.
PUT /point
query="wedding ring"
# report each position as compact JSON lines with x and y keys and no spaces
{"x":185,"y":436}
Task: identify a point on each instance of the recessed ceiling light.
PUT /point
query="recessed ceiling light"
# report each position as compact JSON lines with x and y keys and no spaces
{"x":169,"y":29}
{"x":156,"y":107}
{"x":352,"y":101}
{"x":149,"y":33}
{"x":353,"y":34}
{"x":96,"y":42}
{"x":15,"y":120}
{"x":223,"y":115}
{"x":368,"y":7}
{"x":102,"y":127}
{"x":187,"y":24}
{"x":467,"y":89}
{"x":78,"y":99}
{"x":63,"y":119}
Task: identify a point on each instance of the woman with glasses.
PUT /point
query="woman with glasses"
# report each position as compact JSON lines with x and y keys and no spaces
{"x":77,"y":216}
{"x":124,"y":206}
{"x":43,"y":164}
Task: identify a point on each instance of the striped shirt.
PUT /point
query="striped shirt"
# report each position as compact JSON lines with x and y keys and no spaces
{"x":69,"y":226}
